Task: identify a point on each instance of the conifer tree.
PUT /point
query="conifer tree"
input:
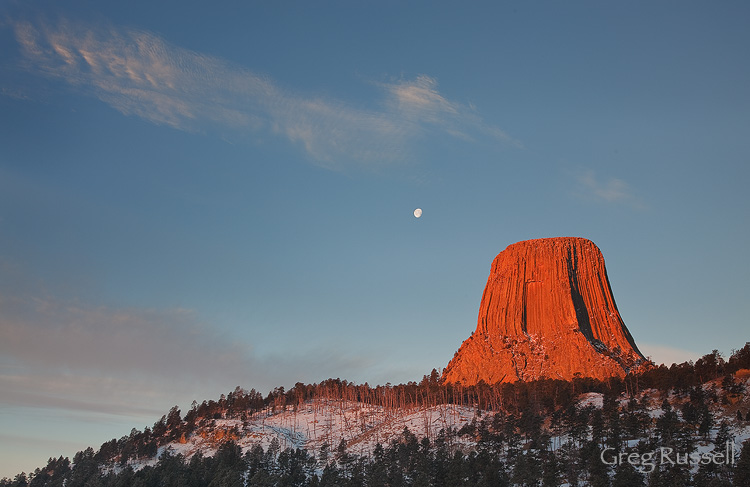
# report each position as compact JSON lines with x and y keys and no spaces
{"x":742,"y":467}
{"x":719,"y":473}
{"x":627,"y":476}
{"x":550,"y":471}
{"x":527,"y":471}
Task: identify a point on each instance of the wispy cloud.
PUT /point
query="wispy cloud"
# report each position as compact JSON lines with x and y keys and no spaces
{"x":139,"y":73}
{"x":62,"y":354}
{"x":48,"y":332}
{"x":420,"y":103}
{"x":609,"y":190}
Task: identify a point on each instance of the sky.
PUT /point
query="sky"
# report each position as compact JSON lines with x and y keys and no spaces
{"x":199,"y":196}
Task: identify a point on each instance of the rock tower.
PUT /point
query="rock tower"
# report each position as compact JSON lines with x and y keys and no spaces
{"x":547,"y":312}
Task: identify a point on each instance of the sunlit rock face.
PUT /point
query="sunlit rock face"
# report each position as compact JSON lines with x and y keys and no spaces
{"x":547,"y":312}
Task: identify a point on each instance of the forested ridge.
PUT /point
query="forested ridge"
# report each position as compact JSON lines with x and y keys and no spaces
{"x":526,"y":434}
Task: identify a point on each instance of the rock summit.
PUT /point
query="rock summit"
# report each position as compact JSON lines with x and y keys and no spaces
{"x":547,"y":312}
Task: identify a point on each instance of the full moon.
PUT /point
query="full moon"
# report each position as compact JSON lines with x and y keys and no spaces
{"x":417,"y":212}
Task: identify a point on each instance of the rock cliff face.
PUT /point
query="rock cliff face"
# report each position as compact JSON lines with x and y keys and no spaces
{"x":547,"y":312}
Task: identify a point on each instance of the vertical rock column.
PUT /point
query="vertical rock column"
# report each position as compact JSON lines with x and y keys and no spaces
{"x":547,"y":311}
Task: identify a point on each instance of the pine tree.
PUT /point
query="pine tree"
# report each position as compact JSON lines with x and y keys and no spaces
{"x":667,"y":426}
{"x":343,"y":458}
{"x":627,"y":476}
{"x":377,"y":472}
{"x":550,"y":471}
{"x":723,"y":436}
{"x":84,"y":469}
{"x":706,"y":421}
{"x":455,"y":472}
{"x":742,"y":467}
{"x":527,"y":471}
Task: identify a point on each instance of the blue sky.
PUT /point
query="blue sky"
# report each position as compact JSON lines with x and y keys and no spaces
{"x":194,"y":197}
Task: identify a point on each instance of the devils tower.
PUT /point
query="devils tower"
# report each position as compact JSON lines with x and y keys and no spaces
{"x":547,"y":312}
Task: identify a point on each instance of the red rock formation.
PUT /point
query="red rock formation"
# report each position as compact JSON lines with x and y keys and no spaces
{"x":547,"y":312}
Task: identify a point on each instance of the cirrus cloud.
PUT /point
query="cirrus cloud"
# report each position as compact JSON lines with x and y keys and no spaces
{"x":65,"y":354}
{"x":138,"y":73}
{"x":611,"y":190}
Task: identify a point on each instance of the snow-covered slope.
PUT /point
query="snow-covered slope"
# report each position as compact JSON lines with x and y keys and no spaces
{"x":321,"y":425}
{"x":323,"y":422}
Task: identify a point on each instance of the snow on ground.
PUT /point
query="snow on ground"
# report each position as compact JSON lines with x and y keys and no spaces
{"x":595,"y":399}
{"x":311,"y":425}
{"x":326,"y":422}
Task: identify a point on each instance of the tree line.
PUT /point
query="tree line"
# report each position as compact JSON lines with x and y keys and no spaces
{"x":520,"y":422}
{"x":506,"y":450}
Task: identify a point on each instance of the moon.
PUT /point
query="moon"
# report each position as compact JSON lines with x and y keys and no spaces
{"x":417,"y":212}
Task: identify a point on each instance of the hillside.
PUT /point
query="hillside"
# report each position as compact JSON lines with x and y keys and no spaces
{"x":548,"y":432}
